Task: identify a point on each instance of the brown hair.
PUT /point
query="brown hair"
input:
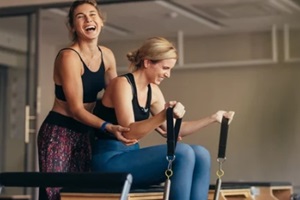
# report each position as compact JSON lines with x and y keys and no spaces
{"x":74,"y":5}
{"x":154,"y":49}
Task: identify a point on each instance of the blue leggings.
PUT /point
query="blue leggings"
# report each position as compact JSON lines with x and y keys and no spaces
{"x":191,"y":167}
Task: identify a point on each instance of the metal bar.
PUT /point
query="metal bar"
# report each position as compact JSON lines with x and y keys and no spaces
{"x":180,"y":42}
{"x":274,"y":44}
{"x":126,"y":188}
{"x":167,"y":189}
{"x":286,"y":45}
{"x":286,"y":42}
{"x":27,"y":122}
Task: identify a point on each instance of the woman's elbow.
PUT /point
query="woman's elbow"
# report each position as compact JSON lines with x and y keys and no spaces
{"x":76,"y":112}
{"x":129,"y":135}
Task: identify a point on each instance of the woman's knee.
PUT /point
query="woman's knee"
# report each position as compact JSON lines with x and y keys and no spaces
{"x":185,"y":152}
{"x":201,"y":154}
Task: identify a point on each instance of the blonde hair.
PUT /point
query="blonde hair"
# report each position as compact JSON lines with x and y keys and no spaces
{"x":154,"y":49}
{"x":74,"y":5}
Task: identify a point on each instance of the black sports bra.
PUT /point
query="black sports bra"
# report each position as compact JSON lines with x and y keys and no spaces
{"x":92,"y":82}
{"x":108,"y":114}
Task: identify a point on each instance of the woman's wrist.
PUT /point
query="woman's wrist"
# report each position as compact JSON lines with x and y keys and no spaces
{"x":103,"y":127}
{"x":214,"y":117}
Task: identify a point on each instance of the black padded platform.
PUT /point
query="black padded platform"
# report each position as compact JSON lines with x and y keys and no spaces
{"x":60,"y":179}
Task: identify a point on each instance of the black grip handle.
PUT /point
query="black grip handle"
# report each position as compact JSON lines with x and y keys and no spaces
{"x":172,"y":132}
{"x":223,"y":138}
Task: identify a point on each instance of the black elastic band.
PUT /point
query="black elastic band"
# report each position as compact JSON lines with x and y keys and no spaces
{"x":172,"y":132}
{"x":223,"y":137}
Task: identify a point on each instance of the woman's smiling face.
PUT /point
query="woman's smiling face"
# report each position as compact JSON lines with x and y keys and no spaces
{"x":159,"y":70}
{"x":87,"y":22}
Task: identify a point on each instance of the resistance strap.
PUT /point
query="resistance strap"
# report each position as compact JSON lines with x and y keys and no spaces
{"x":221,"y":155}
{"x":172,"y":137}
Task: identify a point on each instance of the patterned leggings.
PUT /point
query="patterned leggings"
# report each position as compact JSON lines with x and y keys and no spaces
{"x":63,"y":146}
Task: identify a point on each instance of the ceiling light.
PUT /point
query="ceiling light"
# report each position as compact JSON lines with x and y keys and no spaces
{"x":182,"y":11}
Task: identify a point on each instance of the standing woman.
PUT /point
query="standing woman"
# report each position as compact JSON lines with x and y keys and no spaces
{"x":129,"y":100}
{"x":80,"y":72}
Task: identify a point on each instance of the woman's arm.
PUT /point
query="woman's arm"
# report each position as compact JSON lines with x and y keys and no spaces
{"x":189,"y":127}
{"x":68,"y":71}
{"x":109,"y":63}
{"x":120,"y":95}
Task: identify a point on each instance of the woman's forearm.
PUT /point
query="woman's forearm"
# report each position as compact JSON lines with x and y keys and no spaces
{"x":140,"y":129}
{"x":189,"y":127}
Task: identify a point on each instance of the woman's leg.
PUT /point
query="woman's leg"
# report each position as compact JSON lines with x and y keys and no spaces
{"x":183,"y":168}
{"x":62,"y":150}
{"x":201,"y":176}
{"x":147,"y":165}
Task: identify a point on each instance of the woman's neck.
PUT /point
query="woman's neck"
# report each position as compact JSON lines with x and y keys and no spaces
{"x":140,"y":79}
{"x":88,"y":47}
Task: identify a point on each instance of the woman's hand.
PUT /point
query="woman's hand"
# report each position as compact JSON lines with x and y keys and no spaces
{"x":228,"y":114}
{"x":161,"y":131}
{"x":170,"y":104}
{"x":178,"y":109}
{"x":118,"y":131}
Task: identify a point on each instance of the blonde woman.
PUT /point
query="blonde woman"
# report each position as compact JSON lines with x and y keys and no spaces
{"x":128,"y":101}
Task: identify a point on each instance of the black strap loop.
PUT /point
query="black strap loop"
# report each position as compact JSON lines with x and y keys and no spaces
{"x":223,"y":138}
{"x":221,"y":155}
{"x":172,"y":132}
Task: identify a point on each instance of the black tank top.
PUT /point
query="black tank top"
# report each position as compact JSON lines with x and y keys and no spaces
{"x":92,"y":82}
{"x":109,"y":115}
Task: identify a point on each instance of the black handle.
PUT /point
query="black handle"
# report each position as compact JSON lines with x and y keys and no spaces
{"x":172,"y":132}
{"x":223,"y":137}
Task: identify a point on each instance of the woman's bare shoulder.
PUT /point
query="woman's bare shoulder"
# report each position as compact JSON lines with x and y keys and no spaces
{"x":68,"y":53}
{"x":105,"y":50}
